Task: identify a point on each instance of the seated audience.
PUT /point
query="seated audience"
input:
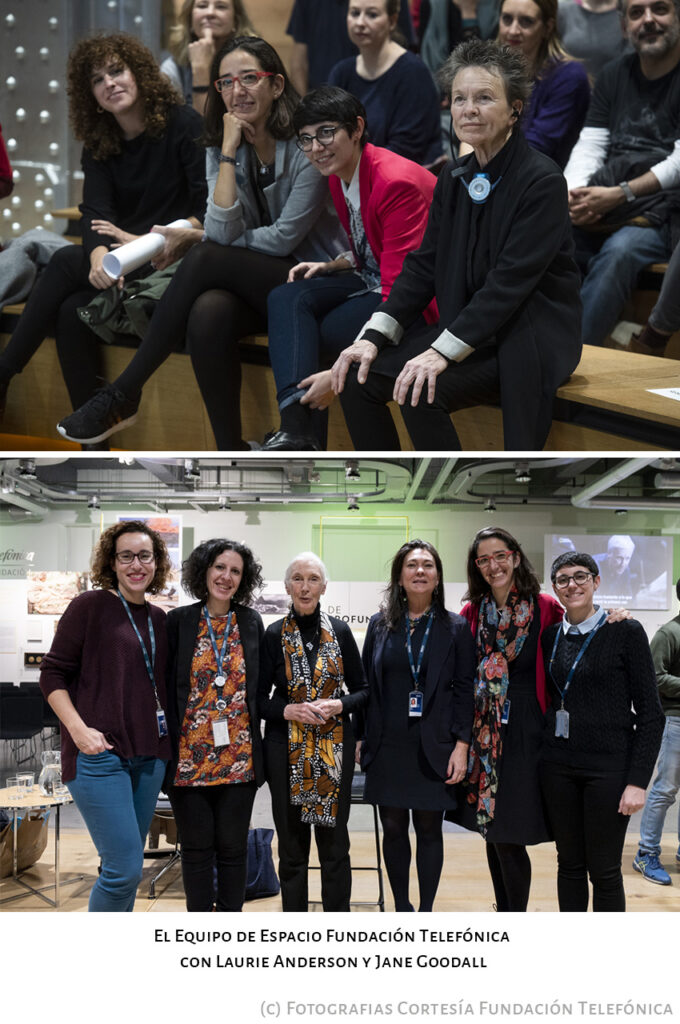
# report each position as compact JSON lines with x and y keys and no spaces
{"x":497,"y":256}
{"x":382,"y":201}
{"x":268,"y":209}
{"x":561,"y":93}
{"x":142,"y":167}
{"x":624,"y":171}
{"x":395,"y":87}
{"x":320,"y":40}
{"x":202,"y":28}
{"x":591,"y":31}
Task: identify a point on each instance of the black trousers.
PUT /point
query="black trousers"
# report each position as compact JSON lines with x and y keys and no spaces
{"x":62,"y":287}
{"x":582,"y":808}
{"x":212,"y":822}
{"x":217,"y":296}
{"x":475,"y":381}
{"x":294,"y":836}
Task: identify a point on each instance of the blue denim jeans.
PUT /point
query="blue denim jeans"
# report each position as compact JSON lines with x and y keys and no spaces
{"x":310,"y":323}
{"x":665,"y":316}
{"x":117,"y":797}
{"x":664,"y":789}
{"x":612,"y":273}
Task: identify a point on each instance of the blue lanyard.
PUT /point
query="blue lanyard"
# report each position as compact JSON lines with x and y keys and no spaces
{"x":415,"y":669}
{"x":149,"y":662}
{"x":219,"y":655}
{"x":582,"y":651}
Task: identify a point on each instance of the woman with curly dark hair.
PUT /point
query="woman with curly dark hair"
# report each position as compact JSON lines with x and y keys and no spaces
{"x":419,"y":661}
{"x":268,"y":209}
{"x":216,"y":766}
{"x":202,"y":28}
{"x":143,"y":167}
{"x":104,"y":677}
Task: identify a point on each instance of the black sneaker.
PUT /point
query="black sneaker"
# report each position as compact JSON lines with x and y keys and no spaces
{"x":102,"y":415}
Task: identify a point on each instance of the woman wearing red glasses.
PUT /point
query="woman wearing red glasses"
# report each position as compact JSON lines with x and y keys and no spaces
{"x":268,"y":209}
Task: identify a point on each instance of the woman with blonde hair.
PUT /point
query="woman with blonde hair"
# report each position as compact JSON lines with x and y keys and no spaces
{"x":201,"y":29}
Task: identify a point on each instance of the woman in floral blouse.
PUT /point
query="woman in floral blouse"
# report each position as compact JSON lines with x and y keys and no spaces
{"x":217,"y":750}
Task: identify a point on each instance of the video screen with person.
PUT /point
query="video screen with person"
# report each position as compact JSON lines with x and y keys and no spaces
{"x":635,"y":571}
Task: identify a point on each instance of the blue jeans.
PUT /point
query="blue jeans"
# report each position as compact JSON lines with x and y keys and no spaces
{"x":310,"y":323}
{"x":665,"y":316}
{"x":612,"y":272}
{"x":664,"y":789}
{"x":117,"y":797}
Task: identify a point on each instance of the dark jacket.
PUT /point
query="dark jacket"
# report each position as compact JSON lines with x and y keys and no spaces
{"x":665,"y":647}
{"x":273,"y":688}
{"x":503,"y":274}
{"x":447,"y":693}
{"x":182,"y":626}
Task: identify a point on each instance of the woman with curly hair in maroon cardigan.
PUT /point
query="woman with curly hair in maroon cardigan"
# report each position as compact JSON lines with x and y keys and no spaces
{"x":104,"y":677}
{"x":142,"y":167}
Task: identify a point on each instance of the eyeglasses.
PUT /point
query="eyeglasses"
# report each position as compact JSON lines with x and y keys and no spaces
{"x":248,"y":80}
{"x":499,"y":557}
{"x":324,"y":137}
{"x":579,"y":578}
{"x":128,"y":557}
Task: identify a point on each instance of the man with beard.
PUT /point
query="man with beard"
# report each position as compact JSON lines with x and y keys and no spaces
{"x":624,"y":172}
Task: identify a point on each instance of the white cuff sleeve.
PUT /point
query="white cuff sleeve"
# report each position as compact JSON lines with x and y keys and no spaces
{"x":668,"y":170}
{"x":589,"y":153}
{"x":386,"y":325}
{"x":451,"y":347}
{"x":348,"y":255}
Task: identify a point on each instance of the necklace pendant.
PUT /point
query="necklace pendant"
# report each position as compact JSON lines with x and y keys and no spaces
{"x":220,"y":681}
{"x":221,"y":705}
{"x":309,"y":645}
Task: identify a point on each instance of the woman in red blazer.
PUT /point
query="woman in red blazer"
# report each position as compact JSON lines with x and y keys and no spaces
{"x":382,"y":201}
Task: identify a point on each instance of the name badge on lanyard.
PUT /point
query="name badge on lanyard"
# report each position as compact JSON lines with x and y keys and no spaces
{"x":220,"y":725}
{"x":415,"y":697}
{"x":150,"y":663}
{"x":562,"y":715}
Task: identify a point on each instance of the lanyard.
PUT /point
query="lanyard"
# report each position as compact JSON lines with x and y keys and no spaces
{"x":149,"y":662}
{"x":582,"y":651}
{"x":219,"y":655}
{"x":415,"y":669}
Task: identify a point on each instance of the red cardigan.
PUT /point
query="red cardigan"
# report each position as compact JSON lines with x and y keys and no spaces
{"x":551,"y":611}
{"x":395,"y":196}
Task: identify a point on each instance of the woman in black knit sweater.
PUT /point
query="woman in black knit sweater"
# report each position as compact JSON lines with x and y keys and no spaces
{"x":603,"y":731}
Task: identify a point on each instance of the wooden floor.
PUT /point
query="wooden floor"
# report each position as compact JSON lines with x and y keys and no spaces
{"x":465,"y":884}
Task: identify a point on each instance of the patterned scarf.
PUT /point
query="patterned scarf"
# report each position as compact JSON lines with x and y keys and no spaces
{"x":500,"y":638}
{"x":314,"y":751}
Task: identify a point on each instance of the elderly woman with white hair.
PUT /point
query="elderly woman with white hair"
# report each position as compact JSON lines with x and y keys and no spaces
{"x":311,"y":680}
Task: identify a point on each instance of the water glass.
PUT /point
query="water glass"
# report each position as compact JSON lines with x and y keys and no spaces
{"x":12,"y":787}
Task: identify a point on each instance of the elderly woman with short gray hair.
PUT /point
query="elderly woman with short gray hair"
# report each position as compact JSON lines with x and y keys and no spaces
{"x":497,"y":257}
{"x":311,"y":680}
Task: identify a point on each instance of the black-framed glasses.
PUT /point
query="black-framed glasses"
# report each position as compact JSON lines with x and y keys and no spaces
{"x":128,"y":557}
{"x":324,"y":137}
{"x":248,"y":80}
{"x":499,"y":557}
{"x":579,"y":578}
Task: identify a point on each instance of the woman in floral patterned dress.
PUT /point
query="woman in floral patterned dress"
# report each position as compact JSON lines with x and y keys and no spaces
{"x":212,"y":715}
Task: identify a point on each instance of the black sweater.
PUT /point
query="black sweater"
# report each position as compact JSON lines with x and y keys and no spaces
{"x":151,"y":181}
{"x":615,"y":719}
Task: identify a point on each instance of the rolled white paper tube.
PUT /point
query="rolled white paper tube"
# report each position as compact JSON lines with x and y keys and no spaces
{"x":133,"y":254}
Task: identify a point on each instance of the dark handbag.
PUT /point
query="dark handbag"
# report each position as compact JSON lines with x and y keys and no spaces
{"x":261,"y":877}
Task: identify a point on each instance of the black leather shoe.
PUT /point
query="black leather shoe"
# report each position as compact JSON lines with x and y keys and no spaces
{"x":283,"y":441}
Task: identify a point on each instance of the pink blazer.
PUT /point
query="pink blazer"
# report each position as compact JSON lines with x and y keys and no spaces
{"x":395,"y":200}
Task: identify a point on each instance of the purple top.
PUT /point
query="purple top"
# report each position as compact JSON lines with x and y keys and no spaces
{"x":557,"y":109}
{"x":96,"y":657}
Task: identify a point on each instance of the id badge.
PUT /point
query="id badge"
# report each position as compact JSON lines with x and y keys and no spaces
{"x":505,"y":713}
{"x":415,"y":704}
{"x":562,"y":724}
{"x":220,"y":730}
{"x":162,"y":723}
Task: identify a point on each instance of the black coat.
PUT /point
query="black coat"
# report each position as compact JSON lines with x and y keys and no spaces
{"x":503,"y":275}
{"x":447,"y":691}
{"x":182,"y":624}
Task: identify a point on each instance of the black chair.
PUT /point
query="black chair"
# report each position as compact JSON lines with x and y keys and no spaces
{"x":357,"y":797}
{"x":163,"y":821}
{"x":21,"y":715}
